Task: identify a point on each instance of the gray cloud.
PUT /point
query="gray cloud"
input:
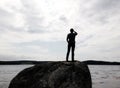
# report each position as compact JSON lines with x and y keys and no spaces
{"x":64,"y":19}
{"x":101,"y":11}
{"x":107,"y":9}
{"x":4,"y":19}
{"x":107,"y":5}
{"x":34,"y":25}
{"x":34,"y":20}
{"x":4,"y":14}
{"x":8,"y":21}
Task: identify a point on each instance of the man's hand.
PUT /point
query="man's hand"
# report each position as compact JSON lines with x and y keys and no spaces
{"x":75,"y":32}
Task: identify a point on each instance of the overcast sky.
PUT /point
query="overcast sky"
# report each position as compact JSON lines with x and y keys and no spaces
{"x":37,"y":29}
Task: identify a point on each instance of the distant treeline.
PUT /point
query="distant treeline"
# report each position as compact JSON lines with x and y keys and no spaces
{"x":92,"y":62}
{"x":89,"y":62}
{"x":18,"y":62}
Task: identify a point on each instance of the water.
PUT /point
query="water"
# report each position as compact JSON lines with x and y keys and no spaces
{"x":103,"y":76}
{"x":7,"y":72}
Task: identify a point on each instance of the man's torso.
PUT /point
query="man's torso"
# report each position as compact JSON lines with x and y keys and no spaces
{"x":71,"y":37}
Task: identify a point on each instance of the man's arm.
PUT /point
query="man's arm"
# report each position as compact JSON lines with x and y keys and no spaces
{"x":67,"y":39}
{"x":75,"y":33}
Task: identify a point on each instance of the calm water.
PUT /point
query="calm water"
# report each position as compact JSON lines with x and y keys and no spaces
{"x":103,"y":76}
{"x":7,"y":72}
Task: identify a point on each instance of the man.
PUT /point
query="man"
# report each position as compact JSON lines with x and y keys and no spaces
{"x":71,"y":43}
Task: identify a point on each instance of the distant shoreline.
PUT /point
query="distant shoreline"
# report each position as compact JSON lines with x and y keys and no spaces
{"x":92,"y":62}
{"x":27,"y":62}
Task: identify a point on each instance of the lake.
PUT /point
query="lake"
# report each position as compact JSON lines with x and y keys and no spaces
{"x":103,"y":76}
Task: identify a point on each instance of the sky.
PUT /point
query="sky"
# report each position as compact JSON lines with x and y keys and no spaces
{"x":37,"y":29}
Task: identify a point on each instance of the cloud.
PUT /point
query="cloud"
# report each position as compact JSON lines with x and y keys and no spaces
{"x":101,"y":20}
{"x":39,"y":27}
{"x":107,"y":5}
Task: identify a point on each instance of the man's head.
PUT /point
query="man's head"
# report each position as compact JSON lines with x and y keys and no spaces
{"x":71,"y":30}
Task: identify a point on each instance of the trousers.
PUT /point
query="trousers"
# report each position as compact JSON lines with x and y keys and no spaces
{"x":71,"y":46}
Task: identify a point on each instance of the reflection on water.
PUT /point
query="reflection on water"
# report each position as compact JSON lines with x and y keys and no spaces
{"x":103,"y":76}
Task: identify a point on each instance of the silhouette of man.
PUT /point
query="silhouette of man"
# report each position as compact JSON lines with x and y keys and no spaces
{"x":71,"y":43}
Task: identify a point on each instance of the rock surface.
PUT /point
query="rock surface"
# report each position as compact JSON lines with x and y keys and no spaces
{"x":54,"y":75}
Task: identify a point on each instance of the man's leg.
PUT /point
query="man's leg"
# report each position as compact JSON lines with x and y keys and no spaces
{"x":73,"y":49}
{"x":68,"y":51}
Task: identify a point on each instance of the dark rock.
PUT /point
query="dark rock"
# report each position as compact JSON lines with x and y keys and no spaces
{"x":54,"y":75}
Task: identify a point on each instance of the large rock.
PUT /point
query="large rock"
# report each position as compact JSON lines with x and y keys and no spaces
{"x":54,"y":75}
